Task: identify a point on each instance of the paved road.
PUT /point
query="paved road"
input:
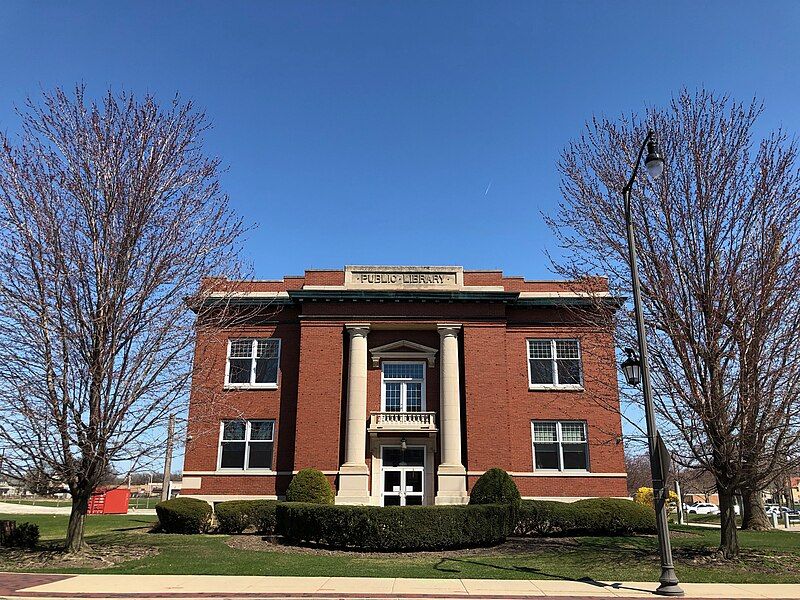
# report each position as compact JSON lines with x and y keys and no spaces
{"x":207,"y":587}
{"x":10,"y":508}
{"x":793,"y":527}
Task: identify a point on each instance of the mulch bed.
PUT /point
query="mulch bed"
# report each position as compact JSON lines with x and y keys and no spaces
{"x":509,"y":547}
{"x":53,"y":557}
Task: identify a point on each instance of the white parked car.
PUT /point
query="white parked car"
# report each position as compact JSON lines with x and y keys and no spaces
{"x":703,"y":508}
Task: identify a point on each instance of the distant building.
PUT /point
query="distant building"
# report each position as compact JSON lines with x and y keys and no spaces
{"x":404,"y":384}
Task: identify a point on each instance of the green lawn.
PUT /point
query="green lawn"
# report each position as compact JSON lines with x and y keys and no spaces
{"x":133,"y":503}
{"x":603,"y":558}
{"x":38,"y":502}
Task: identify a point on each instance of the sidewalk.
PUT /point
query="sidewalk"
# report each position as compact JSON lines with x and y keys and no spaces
{"x":206,"y":587}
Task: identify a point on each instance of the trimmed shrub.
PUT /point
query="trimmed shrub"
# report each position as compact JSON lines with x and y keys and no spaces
{"x":393,"y":528}
{"x":236,"y":516}
{"x":544,"y":517}
{"x":184,"y":515}
{"x":613,"y":516}
{"x":310,"y":485}
{"x":595,"y":516}
{"x":24,"y":535}
{"x":496,"y":486}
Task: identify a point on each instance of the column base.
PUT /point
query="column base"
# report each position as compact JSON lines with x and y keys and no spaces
{"x":353,"y":484}
{"x":452,"y":480}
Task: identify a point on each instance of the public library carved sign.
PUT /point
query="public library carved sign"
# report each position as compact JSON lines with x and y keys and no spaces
{"x":430,"y":278}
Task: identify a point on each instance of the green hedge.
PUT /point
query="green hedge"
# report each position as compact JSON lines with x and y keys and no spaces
{"x":310,"y":485}
{"x":595,"y":516}
{"x":235,"y":516}
{"x":393,"y":528}
{"x":184,"y":515}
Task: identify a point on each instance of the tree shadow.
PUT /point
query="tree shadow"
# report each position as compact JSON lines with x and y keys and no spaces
{"x":533,"y":571}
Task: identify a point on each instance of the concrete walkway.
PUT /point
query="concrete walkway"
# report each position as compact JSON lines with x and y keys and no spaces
{"x":185,"y":587}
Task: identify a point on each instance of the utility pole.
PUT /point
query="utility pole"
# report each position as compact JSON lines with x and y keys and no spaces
{"x":168,"y":459}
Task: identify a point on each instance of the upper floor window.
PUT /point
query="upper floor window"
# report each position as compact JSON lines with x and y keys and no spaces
{"x":403,"y":386}
{"x":554,"y":363}
{"x":246,"y":444}
{"x":253,"y":362}
{"x":560,"y":445}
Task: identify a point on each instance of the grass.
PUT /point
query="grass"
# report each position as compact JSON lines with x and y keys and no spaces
{"x":137,"y":503}
{"x":37,"y":502}
{"x":602,"y":558}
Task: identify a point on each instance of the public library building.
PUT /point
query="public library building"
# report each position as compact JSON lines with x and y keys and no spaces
{"x":404,"y":384}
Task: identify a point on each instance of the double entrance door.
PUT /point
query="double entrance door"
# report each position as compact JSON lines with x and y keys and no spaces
{"x":402,"y":476}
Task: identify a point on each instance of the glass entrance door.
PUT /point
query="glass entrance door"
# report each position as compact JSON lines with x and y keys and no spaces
{"x":403,"y":476}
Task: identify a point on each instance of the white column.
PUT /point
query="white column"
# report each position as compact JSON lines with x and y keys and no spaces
{"x":353,"y":474}
{"x":452,"y":477}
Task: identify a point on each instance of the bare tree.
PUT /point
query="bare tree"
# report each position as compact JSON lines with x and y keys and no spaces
{"x":766,"y":330}
{"x":638,"y":469}
{"x":721,"y":222}
{"x":110,"y":216}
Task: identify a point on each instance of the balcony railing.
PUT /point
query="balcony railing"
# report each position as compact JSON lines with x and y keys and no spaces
{"x":402,"y":421}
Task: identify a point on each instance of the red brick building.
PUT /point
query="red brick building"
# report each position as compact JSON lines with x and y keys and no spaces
{"x":404,"y":384}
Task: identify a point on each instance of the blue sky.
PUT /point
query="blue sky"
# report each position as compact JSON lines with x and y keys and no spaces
{"x":402,"y":132}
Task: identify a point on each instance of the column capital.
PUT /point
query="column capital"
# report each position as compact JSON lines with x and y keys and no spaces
{"x":357,"y":329}
{"x":446,"y":329}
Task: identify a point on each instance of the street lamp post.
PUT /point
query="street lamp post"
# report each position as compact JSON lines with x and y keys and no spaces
{"x":654,"y":163}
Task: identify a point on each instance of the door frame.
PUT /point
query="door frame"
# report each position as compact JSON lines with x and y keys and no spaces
{"x":376,"y":441}
{"x":403,"y":470}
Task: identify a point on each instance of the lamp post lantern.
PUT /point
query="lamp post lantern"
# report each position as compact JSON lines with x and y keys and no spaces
{"x":632,"y":368}
{"x":637,"y":369}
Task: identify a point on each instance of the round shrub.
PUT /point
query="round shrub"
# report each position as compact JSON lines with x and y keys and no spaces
{"x":495,"y":486}
{"x":393,"y":528}
{"x":184,"y":515}
{"x":310,"y":485}
{"x":236,"y":516}
{"x":595,"y":516}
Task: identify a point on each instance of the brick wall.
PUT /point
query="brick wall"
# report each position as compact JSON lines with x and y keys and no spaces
{"x":497,"y":406}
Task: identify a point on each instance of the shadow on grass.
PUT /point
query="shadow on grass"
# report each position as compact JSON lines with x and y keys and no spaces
{"x":533,"y":571}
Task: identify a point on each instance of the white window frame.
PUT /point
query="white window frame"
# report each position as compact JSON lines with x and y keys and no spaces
{"x":559,"y":442}
{"x":252,"y":384}
{"x":553,"y":386}
{"x":246,"y":447}
{"x":403,"y":382}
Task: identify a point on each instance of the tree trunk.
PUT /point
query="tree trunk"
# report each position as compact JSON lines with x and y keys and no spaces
{"x":753,"y":515}
{"x":77,"y":522}
{"x":729,"y":540}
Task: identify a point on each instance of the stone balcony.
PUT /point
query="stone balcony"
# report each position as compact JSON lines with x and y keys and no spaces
{"x":402,"y":422}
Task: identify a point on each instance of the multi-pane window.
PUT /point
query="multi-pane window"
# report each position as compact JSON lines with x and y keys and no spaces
{"x":253,"y":362}
{"x":554,"y":363}
{"x":403,"y":387}
{"x":560,"y":445}
{"x":246,"y":444}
